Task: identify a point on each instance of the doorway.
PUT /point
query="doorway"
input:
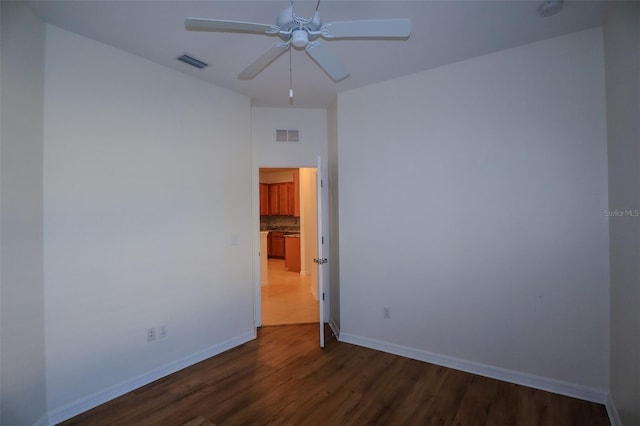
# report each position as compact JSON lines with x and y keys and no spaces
{"x":288,"y":237}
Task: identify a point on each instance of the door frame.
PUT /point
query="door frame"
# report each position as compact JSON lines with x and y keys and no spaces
{"x":255,"y":185}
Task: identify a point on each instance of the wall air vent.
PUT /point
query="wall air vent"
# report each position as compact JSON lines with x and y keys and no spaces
{"x":193,"y":61}
{"x":287,"y":135}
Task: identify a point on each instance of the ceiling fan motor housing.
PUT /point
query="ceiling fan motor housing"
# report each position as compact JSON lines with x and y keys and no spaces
{"x":297,"y":29}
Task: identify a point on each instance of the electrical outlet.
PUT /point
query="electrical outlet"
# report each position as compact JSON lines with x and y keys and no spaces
{"x":162,"y":332}
{"x":386,"y":313}
{"x":151,"y":334}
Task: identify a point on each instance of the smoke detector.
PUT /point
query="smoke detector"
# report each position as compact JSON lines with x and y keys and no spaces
{"x":550,"y":8}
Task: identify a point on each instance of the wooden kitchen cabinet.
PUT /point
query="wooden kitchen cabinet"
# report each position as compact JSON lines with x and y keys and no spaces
{"x":281,"y":199}
{"x":275,"y":245}
{"x":290,"y":199}
{"x":269,"y":245}
{"x":296,"y":193}
{"x":264,"y":199}
{"x":274,"y":197}
{"x":292,"y":254}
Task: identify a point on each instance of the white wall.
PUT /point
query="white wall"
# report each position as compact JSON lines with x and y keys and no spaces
{"x":22,"y":380}
{"x":333,"y":184}
{"x":147,"y":221}
{"x":622,"y":55}
{"x":312,"y":124}
{"x":471,"y":204}
{"x":313,"y":136}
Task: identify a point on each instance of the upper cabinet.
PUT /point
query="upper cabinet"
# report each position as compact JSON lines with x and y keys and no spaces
{"x":296,"y":193}
{"x":264,"y":199}
{"x":281,"y":199}
{"x":274,"y":199}
{"x":291,"y":199}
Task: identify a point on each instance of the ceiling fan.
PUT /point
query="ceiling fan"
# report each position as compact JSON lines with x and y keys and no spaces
{"x":305,"y":33}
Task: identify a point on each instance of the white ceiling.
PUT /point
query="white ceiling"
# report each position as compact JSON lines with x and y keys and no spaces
{"x":444,"y":32}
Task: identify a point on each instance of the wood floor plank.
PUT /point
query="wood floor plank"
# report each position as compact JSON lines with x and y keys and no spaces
{"x":284,"y":378}
{"x":444,"y":407}
{"x":475,"y":403}
{"x":198,"y":421}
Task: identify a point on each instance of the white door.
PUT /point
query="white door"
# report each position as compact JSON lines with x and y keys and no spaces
{"x":320,"y":260}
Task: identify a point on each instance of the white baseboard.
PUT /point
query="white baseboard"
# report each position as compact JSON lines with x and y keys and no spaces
{"x":612,"y":412}
{"x":335,"y":329}
{"x":537,"y":382}
{"x":74,"y":408}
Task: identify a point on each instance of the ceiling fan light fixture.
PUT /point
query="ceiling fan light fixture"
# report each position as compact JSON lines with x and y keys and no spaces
{"x":299,"y":38}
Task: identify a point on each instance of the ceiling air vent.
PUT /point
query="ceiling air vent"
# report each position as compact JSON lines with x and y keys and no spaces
{"x":287,"y":135}
{"x":193,"y":61}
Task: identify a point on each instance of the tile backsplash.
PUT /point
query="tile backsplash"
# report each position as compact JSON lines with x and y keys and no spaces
{"x":288,"y":223}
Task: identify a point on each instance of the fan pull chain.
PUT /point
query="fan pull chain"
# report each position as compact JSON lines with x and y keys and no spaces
{"x":290,"y":78}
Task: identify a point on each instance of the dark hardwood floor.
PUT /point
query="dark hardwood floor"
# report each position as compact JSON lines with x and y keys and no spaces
{"x":283,"y":377}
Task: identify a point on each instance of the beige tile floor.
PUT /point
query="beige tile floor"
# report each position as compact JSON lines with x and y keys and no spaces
{"x":287,"y":299}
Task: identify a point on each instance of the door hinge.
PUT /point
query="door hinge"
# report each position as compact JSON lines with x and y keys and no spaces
{"x":320,"y":261}
{"x":322,"y":239}
{"x":322,"y":296}
{"x":321,"y":183}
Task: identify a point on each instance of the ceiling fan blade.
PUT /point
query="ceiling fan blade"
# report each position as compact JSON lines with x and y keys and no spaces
{"x":263,"y":61}
{"x":198,"y":24}
{"x":327,"y":61}
{"x":374,"y":28}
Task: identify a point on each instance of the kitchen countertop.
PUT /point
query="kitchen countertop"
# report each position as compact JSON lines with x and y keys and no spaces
{"x":284,"y":230}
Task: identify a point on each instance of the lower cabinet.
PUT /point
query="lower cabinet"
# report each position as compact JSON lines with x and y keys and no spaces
{"x":292,"y":254}
{"x":275,"y":245}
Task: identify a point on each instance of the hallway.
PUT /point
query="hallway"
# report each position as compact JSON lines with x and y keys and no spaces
{"x":287,"y":299}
